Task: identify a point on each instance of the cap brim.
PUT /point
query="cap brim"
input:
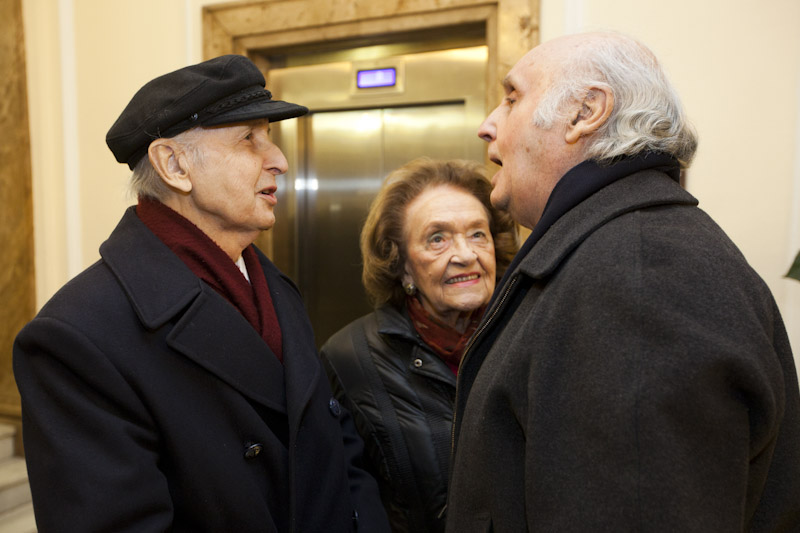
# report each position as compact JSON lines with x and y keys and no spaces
{"x":273,"y":110}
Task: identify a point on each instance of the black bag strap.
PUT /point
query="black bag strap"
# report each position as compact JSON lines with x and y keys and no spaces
{"x":399,"y":461}
{"x":442,"y":440}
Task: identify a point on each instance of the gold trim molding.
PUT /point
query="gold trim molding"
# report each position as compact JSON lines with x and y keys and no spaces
{"x":512,"y":26}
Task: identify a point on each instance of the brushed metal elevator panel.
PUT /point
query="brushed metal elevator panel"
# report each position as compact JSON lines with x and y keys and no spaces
{"x":342,"y":150}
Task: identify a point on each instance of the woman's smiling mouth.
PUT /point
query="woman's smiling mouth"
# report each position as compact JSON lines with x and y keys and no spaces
{"x":462,"y":278}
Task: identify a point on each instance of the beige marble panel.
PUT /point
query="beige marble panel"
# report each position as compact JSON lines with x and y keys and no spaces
{"x":16,"y":209}
{"x":254,"y":17}
{"x":512,"y":26}
{"x":363,"y":28}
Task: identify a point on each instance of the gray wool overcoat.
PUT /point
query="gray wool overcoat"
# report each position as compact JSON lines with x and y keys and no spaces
{"x":634,"y":374}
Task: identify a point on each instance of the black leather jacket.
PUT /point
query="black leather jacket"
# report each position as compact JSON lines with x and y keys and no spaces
{"x":401,"y":396}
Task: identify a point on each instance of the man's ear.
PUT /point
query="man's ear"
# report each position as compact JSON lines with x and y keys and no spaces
{"x":593,"y":113}
{"x":169,"y":161}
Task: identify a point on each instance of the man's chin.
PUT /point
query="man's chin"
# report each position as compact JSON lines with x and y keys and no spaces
{"x":266,"y":224}
{"x":499,"y":202}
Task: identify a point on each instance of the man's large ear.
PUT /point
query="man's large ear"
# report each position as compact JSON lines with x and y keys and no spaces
{"x":593,"y":113}
{"x":169,"y":160}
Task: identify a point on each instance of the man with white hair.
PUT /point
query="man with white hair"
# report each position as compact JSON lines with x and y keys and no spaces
{"x":632,"y":372}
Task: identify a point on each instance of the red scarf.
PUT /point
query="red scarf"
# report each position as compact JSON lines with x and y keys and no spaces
{"x":448,"y":343}
{"x":211,"y":264}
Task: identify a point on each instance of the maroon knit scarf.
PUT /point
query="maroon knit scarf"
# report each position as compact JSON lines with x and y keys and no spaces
{"x":445,"y":341}
{"x":211,"y":264}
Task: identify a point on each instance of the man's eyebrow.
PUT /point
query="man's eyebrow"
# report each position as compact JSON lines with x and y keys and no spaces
{"x":507,"y":85}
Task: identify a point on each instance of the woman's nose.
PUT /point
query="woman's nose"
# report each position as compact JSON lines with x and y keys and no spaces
{"x":462,"y":251}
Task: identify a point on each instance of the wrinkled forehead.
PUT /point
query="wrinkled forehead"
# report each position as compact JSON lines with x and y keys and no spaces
{"x":199,"y":133}
{"x":244,"y":124}
{"x":534,"y":68}
{"x":546,"y":63}
{"x":436,"y":204}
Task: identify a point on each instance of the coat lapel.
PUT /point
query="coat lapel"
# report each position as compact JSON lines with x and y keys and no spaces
{"x":302,"y":369}
{"x":213,"y":334}
{"x":207,"y":329}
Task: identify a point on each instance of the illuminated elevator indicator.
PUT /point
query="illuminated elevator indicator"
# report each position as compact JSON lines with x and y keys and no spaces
{"x":381,"y":77}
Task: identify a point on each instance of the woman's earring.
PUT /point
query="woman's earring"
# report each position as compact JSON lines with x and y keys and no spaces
{"x":410,"y":288}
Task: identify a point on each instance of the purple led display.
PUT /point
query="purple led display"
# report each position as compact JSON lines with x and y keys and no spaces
{"x":380,"y":77}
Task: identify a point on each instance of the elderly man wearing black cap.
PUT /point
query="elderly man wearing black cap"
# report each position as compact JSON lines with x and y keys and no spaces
{"x":174,"y":385}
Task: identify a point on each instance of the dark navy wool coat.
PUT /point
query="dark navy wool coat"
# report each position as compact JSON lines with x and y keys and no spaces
{"x":150,"y":404}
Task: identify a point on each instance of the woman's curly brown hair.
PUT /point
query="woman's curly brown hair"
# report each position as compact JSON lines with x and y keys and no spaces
{"x":382,"y":240}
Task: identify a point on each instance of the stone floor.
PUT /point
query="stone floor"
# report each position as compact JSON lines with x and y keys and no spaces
{"x":16,"y":509}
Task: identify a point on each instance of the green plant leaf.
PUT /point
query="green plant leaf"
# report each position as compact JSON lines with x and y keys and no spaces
{"x":794,"y":271}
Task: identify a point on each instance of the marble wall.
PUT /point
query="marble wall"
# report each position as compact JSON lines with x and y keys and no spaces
{"x":16,"y":210}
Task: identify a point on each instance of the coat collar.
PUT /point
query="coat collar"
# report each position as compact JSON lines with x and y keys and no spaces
{"x":208,"y":329}
{"x":580,"y":183}
{"x":394,"y":322}
{"x":640,"y":190}
{"x":155,"y":280}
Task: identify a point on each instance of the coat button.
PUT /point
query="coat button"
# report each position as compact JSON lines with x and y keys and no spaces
{"x":418,"y":363}
{"x":335,"y":408}
{"x":253,"y":450}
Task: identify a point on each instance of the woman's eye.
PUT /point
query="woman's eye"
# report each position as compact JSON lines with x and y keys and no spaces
{"x":436,"y":240}
{"x":479,"y":236}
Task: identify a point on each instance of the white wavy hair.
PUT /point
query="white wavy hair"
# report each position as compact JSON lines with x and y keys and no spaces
{"x":647,"y":114}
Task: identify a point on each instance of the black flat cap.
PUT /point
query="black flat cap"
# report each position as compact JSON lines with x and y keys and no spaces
{"x":223,"y":90}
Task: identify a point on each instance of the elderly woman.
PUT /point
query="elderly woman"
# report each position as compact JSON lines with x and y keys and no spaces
{"x":433,"y":247}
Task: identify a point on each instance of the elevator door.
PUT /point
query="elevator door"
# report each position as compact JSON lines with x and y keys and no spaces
{"x":350,"y":153}
{"x":340,"y":154}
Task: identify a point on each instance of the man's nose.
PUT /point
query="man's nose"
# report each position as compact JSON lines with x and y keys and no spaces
{"x":487,"y":130}
{"x":274,"y":160}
